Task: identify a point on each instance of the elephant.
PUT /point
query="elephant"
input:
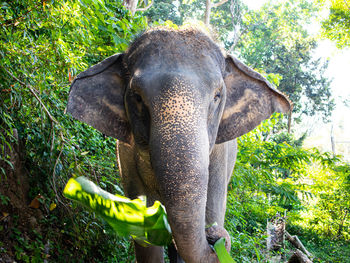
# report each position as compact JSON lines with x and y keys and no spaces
{"x":176,"y":102}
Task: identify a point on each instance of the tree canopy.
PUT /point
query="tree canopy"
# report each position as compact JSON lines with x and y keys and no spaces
{"x":275,"y":40}
{"x":336,"y":26}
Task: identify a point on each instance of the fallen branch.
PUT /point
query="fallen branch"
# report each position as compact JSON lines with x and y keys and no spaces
{"x":145,"y":8}
{"x":294,"y":240}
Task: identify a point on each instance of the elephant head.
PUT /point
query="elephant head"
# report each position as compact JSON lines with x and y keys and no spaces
{"x":175,"y":95}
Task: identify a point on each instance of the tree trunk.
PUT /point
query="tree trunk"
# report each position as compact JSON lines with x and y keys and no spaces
{"x":289,"y":122}
{"x":131,"y":5}
{"x":275,"y":233}
{"x":275,"y":241}
{"x":208,"y":6}
{"x":341,"y":226}
{"x":207,"y":12}
{"x":332,"y":140}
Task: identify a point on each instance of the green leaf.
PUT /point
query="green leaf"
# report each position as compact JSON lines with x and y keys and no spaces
{"x":147,"y":225}
{"x":221,"y":252}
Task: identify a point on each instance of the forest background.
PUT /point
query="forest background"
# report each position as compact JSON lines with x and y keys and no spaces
{"x":44,"y":44}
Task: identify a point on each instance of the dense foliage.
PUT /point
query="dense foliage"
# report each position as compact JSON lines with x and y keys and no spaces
{"x":273,"y":175}
{"x":44,"y":44}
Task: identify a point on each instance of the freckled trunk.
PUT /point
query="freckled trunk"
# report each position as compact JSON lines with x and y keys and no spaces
{"x":182,"y":176}
{"x":180,"y":158}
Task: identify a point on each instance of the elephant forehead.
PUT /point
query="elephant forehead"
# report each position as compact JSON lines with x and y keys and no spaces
{"x":173,"y":107}
{"x":176,"y":110}
{"x":172,"y":48}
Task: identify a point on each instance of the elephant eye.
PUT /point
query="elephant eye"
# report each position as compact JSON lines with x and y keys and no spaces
{"x":217,"y":96}
{"x":138,"y":98}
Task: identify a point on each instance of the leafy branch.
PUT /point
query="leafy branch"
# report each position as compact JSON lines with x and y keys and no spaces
{"x":34,"y":93}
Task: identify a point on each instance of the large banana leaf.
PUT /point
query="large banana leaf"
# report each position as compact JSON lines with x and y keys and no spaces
{"x":147,"y":225}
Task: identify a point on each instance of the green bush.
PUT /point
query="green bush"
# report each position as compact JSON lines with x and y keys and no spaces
{"x":44,"y":44}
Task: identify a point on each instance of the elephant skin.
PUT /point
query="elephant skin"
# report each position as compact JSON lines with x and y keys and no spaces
{"x":176,"y":103}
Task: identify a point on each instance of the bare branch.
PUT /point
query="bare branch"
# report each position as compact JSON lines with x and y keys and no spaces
{"x":53,"y":178}
{"x":294,"y":240}
{"x":145,"y":8}
{"x":208,"y":6}
{"x":219,"y":3}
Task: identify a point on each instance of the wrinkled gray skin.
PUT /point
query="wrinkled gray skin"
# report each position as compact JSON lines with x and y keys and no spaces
{"x":176,"y":104}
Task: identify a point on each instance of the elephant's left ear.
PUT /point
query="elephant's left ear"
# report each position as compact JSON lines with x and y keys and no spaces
{"x":250,"y":100}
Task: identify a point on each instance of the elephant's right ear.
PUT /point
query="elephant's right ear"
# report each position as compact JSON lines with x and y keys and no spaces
{"x":96,"y":97}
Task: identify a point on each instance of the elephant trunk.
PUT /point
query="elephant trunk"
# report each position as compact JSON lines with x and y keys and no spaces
{"x":180,"y":157}
{"x":182,"y":177}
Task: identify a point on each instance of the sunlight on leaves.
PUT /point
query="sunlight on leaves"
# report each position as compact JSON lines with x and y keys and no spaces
{"x":147,"y":225}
